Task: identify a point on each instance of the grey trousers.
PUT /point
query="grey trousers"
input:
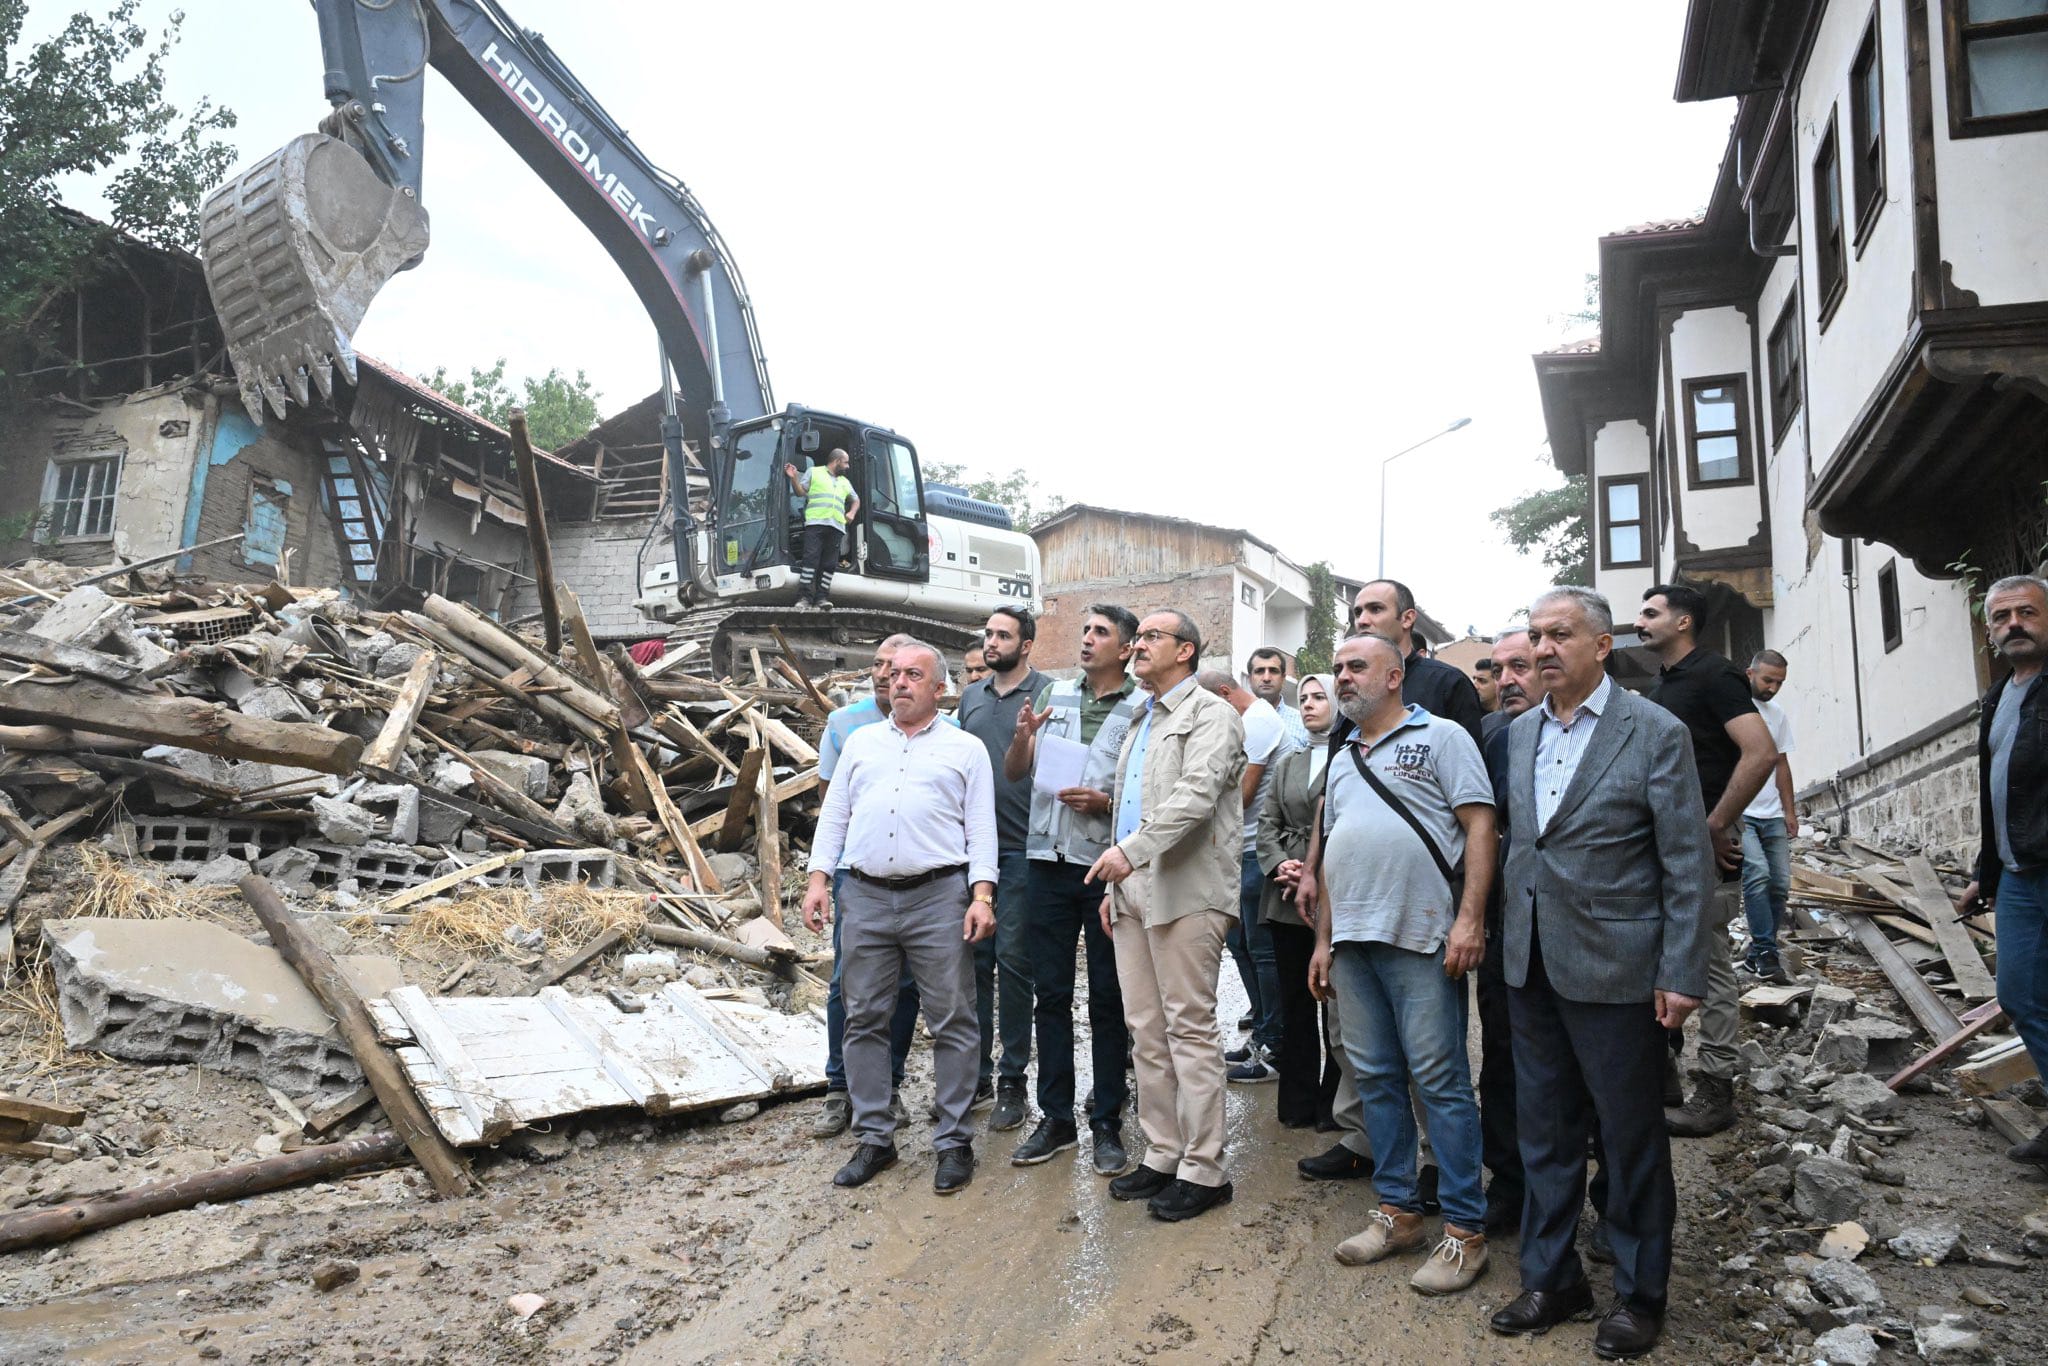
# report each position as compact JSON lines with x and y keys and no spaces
{"x":1347,"y":1109}
{"x":1721,"y":1013}
{"x":882,"y":934}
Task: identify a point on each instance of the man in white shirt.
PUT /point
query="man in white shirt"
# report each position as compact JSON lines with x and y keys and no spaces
{"x":912,"y":809}
{"x":1769,"y":824}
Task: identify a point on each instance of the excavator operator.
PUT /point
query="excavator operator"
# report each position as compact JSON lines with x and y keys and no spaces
{"x":829,"y":506}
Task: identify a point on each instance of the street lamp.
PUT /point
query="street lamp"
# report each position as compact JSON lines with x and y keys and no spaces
{"x":1463,"y":421}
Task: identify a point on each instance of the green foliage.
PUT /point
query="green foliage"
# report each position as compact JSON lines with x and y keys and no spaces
{"x":1319,"y":649}
{"x":89,"y":100}
{"x":558,"y":409}
{"x":1552,"y":523}
{"x":1018,"y":492}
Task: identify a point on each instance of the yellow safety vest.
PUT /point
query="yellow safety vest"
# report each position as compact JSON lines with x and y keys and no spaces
{"x":825,"y":497}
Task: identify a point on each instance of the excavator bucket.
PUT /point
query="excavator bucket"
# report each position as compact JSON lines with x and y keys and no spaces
{"x":295,"y":249}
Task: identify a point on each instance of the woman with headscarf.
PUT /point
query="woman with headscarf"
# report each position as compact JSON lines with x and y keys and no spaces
{"x":1284,"y":825}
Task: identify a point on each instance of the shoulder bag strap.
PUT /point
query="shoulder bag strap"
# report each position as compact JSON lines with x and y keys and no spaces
{"x":1443,"y":865}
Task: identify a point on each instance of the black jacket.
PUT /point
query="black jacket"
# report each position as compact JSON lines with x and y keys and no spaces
{"x":2026,"y":803}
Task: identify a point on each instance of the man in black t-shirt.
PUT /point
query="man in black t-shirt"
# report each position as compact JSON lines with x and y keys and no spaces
{"x":1732,"y":749}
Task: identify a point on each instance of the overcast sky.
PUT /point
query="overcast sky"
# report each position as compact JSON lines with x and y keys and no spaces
{"x":1203,"y":260}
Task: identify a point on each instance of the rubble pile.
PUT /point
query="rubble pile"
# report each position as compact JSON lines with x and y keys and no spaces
{"x":1836,"y":1239}
{"x":423,"y":778}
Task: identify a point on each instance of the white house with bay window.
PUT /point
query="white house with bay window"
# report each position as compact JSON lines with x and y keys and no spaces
{"x":1824,"y":400}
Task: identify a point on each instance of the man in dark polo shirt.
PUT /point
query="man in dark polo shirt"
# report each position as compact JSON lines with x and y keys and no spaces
{"x":1386,"y":607}
{"x":1002,"y":966}
{"x":1731,"y":747}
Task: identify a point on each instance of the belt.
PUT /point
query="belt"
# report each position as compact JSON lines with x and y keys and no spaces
{"x":904,"y":884}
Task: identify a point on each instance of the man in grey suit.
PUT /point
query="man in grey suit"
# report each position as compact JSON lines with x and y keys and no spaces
{"x":1606,"y":940}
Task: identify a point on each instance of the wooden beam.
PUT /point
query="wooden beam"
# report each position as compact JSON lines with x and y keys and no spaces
{"x":676,"y":726}
{"x":435,"y":886}
{"x":2017,"y":1123}
{"x":1935,"y":907}
{"x":1974,"y":1022}
{"x":1989,"y":1075}
{"x":802,"y":676}
{"x":503,"y":645}
{"x":17,"y":829}
{"x":39,"y":1111}
{"x":706,"y":942}
{"x":158,"y":773}
{"x":586,"y":646}
{"x":740,"y":805}
{"x":768,"y":836}
{"x":185,"y":722}
{"x":221,"y":1186}
{"x":389,"y":746}
{"x":536,"y":528}
{"x":1926,"y":1006}
{"x":680,"y":654}
{"x":505,"y":679}
{"x":381,"y":1068}
{"x":673,"y":824}
{"x":770,"y":729}
{"x":550,"y":974}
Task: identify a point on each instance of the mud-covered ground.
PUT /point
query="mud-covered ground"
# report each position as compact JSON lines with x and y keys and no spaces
{"x":687,"y":1240}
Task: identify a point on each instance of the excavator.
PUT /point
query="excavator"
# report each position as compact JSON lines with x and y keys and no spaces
{"x":297,"y":246}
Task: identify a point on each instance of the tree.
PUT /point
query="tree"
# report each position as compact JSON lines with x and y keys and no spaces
{"x":90,"y":100}
{"x":1018,"y":492}
{"x":558,"y":409}
{"x":1552,"y":522}
{"x":1318,"y":648}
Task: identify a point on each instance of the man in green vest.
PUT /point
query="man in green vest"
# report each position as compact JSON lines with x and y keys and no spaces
{"x":829,"y":505}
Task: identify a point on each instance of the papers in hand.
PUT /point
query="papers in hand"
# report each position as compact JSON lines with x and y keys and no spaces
{"x":1060,"y":764}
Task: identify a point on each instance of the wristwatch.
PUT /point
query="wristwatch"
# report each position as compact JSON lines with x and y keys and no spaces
{"x":985,"y":899}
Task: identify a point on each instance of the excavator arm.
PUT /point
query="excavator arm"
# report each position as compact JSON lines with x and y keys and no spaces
{"x":298,"y":245}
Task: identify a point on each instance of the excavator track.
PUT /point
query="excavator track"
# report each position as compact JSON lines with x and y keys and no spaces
{"x":842,"y":638}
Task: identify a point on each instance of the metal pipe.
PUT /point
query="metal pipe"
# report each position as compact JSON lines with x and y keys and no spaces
{"x":1382,"y":570}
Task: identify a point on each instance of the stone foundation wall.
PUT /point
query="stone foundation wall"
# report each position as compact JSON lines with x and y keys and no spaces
{"x":1921,"y":796}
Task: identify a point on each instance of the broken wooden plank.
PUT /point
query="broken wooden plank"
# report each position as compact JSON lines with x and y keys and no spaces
{"x":498,"y":642}
{"x":485,"y":1112}
{"x":819,"y":701}
{"x":324,"y":1119}
{"x":1935,"y":906}
{"x":740,"y":805}
{"x":39,"y":1111}
{"x":385,"y":751}
{"x":183,"y":721}
{"x":774,"y":731}
{"x":536,"y":527}
{"x":675,"y":726}
{"x":549,"y":974}
{"x":223,"y":1185}
{"x":551,"y":835}
{"x":673,"y":824}
{"x":680,"y":654}
{"x":36,"y":1149}
{"x":34,"y":649}
{"x":2005,"y":1066}
{"x":443,"y":1166}
{"x":1805,"y":879}
{"x":19,"y":830}
{"x":1921,"y":1000}
{"x":768,"y":835}
{"x":515,"y":683}
{"x":1974,"y":1022}
{"x":436,"y":886}
{"x":2018,"y":1123}
{"x":679,"y":937}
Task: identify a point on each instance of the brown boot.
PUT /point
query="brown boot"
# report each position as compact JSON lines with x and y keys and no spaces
{"x":1459,"y":1260}
{"x":1391,"y":1230}
{"x":1710,"y":1110}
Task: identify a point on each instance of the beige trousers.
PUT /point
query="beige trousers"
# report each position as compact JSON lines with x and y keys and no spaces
{"x":1168,"y":975}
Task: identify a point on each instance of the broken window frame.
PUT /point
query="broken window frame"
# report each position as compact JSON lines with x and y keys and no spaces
{"x":251,"y":547}
{"x":78,"y":514}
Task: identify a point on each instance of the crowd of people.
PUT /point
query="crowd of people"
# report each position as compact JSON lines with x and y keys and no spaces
{"x":1574,"y":850}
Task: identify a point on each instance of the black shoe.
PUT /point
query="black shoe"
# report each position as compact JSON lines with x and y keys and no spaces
{"x":1503,"y":1210}
{"x":1627,"y":1332}
{"x":1010,"y":1106}
{"x":1327,"y":1124}
{"x":1240,"y":1054}
{"x":1710,"y":1110}
{"x":1110,"y":1157}
{"x":1674,"y":1085}
{"x":1535,"y":1312}
{"x":1244,"y":1022}
{"x":1088,"y":1104}
{"x":1338,"y":1164}
{"x":1297,"y":1121}
{"x":869,"y":1161}
{"x":1600,"y":1243}
{"x":956,"y":1169}
{"x":1140,"y":1183}
{"x":1425,"y":1189}
{"x":2033,"y":1150}
{"x":1185,"y":1200}
{"x":1050,"y":1137}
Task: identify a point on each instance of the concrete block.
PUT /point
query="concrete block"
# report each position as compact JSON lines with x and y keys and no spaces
{"x":527,"y":773}
{"x":89,"y":618}
{"x":291,"y":869}
{"x":225,"y":871}
{"x":1826,"y":1191}
{"x":206,"y":767}
{"x":274,"y":704}
{"x":343,"y":823}
{"x":250,"y":776}
{"x":193,"y":991}
{"x":439,"y":824}
{"x":396,"y":660}
{"x":1863,"y":1095}
{"x":397,"y":809}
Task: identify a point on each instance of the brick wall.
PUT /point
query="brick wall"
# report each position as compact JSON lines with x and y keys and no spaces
{"x":1208,"y":596}
{"x":225,"y":509}
{"x":595,"y":560}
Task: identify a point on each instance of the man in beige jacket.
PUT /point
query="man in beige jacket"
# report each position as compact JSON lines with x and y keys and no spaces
{"x":1173,"y":878}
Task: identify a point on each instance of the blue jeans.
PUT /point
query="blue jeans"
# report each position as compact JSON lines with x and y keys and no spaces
{"x":1403,"y":1018}
{"x":1766,"y":880}
{"x":1251,"y":947}
{"x":2022,"y":923}
{"x":1002,"y":974}
{"x":902,"y":1025}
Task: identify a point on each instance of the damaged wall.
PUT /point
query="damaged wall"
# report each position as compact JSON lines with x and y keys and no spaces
{"x":596,"y":561}
{"x":1921,"y":793}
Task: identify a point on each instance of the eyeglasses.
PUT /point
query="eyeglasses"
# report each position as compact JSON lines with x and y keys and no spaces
{"x":1154,"y":637}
